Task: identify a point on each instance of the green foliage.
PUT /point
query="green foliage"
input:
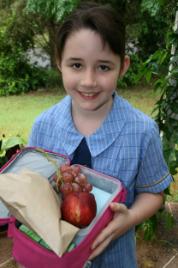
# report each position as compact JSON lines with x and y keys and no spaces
{"x":150,"y":226}
{"x":53,"y":78}
{"x":152,"y":7}
{"x":167,"y":119}
{"x":166,"y":81}
{"x":54,"y":10}
{"x":155,"y":19}
{"x":130,"y":79}
{"x":8,"y":143}
{"x":8,"y":147}
{"x":48,"y":15}
{"x":155,"y":67}
{"x":162,"y":68}
{"x":16,"y":74}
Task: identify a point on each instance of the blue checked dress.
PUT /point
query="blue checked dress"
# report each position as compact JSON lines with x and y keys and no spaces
{"x":126,"y":146}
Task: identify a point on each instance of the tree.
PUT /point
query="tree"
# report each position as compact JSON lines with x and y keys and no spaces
{"x":167,"y":106}
{"x":16,"y":36}
{"x":163,"y":65}
{"x":50,"y":13}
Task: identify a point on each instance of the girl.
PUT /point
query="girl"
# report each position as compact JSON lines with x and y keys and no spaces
{"x":96,"y":127}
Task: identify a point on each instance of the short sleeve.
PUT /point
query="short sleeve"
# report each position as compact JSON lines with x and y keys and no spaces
{"x":31,"y":139}
{"x":153,"y":175}
{"x":35,"y":136}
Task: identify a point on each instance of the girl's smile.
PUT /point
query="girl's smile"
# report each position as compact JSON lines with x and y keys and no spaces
{"x":88,"y":95}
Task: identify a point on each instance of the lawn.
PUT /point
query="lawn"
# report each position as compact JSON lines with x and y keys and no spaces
{"x":18,"y":112}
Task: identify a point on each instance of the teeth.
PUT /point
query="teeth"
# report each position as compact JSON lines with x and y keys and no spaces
{"x":88,"y":94}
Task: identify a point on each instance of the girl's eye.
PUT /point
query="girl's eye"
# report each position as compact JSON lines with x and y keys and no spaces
{"x":104,"y":68}
{"x":76,"y":66}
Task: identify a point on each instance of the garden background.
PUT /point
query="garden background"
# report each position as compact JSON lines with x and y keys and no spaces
{"x":30,"y":83}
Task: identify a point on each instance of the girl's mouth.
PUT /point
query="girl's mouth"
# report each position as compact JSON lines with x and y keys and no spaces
{"x":88,"y":95}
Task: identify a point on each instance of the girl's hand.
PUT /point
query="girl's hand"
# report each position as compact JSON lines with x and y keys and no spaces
{"x":120,"y":223}
{"x":145,"y":205}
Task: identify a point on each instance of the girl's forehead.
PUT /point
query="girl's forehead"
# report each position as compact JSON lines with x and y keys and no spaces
{"x":88,"y":45}
{"x":86,"y":40}
{"x":84,"y":34}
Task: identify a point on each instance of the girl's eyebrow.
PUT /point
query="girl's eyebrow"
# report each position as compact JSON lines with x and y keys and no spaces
{"x":99,"y":61}
{"x":106,"y":62}
{"x":74,"y":59}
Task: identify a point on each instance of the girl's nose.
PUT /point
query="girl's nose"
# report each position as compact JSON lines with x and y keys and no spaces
{"x":88,"y":79}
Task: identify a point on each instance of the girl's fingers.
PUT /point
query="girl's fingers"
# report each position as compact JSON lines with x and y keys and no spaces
{"x":109,"y":232}
{"x":100,"y":248}
{"x":118,"y":207}
{"x":112,"y":227}
{"x":100,"y":238}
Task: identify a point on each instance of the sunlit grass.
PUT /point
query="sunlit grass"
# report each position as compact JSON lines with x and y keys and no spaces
{"x":143,"y":99}
{"x":17,"y":113}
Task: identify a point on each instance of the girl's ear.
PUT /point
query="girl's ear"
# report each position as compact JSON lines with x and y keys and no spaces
{"x":58,"y":65}
{"x":125,"y":66}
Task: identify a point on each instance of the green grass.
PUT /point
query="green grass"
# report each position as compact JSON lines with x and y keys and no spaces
{"x":18,"y":112}
{"x":143,"y":99}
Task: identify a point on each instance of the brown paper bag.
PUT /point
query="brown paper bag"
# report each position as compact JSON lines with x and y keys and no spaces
{"x":31,"y":199}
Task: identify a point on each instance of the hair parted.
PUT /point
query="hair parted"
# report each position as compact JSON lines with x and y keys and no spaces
{"x":100,"y":18}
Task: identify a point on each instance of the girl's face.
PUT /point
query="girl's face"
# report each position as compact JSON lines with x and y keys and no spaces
{"x":89,"y":70}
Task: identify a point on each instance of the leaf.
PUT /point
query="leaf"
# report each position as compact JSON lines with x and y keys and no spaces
{"x":2,"y":153}
{"x":150,"y":6}
{"x":11,"y":142}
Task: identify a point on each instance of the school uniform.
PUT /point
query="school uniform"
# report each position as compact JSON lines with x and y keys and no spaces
{"x":127,"y":146}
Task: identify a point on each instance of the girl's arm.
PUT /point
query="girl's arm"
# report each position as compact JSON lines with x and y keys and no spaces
{"x":145,"y":205}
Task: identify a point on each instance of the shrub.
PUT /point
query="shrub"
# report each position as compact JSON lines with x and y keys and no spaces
{"x":8,"y":147}
{"x":16,"y":74}
{"x":131,"y":77}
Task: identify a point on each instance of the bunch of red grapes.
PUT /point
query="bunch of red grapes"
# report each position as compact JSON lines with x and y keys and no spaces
{"x":71,"y":179}
{"x":78,"y":204}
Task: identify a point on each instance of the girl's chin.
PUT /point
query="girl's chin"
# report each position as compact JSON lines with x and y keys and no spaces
{"x":92,"y":105}
{"x":88,"y":108}
{"x":92,"y":108}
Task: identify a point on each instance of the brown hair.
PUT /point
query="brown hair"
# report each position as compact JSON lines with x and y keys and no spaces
{"x":100,"y":18}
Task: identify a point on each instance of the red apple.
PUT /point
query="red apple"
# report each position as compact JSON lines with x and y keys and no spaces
{"x":79,"y":208}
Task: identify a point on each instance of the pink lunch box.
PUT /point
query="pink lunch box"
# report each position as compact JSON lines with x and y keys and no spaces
{"x":33,"y":255}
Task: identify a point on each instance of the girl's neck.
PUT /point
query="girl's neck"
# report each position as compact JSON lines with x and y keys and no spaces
{"x":87,"y":122}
